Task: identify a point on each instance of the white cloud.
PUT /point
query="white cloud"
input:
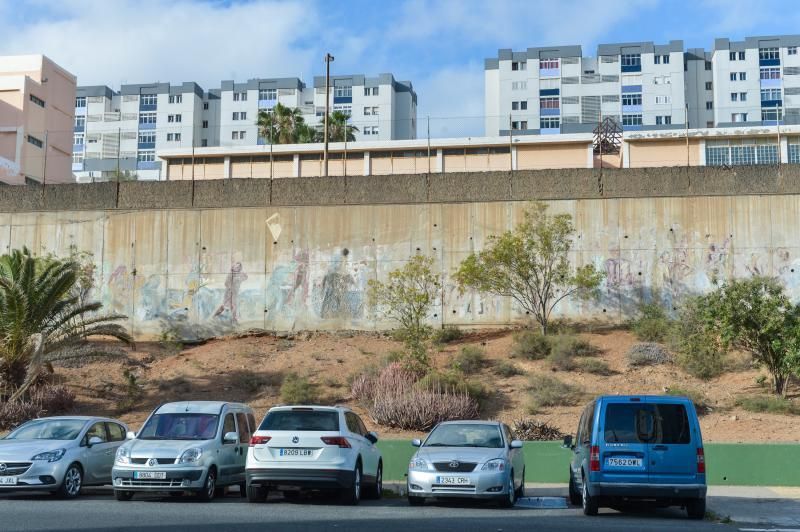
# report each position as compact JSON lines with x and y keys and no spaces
{"x":130,"y":41}
{"x":453,"y":98}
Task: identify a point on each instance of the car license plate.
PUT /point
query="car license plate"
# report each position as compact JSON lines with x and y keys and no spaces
{"x":452,"y":481}
{"x":8,"y":481}
{"x":296,"y":452}
{"x":150,"y":475}
{"x":624,"y":462}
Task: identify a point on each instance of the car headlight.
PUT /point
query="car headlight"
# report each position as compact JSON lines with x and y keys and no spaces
{"x":123,"y":455}
{"x":50,"y":456}
{"x":191,"y":456}
{"x":418,"y":464}
{"x":498,"y":464}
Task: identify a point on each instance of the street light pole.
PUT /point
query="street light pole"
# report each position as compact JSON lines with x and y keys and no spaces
{"x":328,"y":60}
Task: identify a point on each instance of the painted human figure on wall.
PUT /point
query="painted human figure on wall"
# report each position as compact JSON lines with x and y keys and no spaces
{"x":233,"y":283}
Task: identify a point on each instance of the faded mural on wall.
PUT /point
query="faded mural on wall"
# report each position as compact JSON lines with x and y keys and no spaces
{"x":308,"y":267}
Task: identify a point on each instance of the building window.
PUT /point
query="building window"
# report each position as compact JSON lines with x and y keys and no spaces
{"x":718,"y":156}
{"x":204,"y":143}
{"x":741,"y":56}
{"x":77,"y":158}
{"x":732,"y":56}
{"x":771,"y":73}
{"x":709,"y":85}
{"x":147,"y":137}
{"x":240,"y":115}
{"x":367,"y":111}
{"x":631,"y":59}
{"x":268,"y":94}
{"x":148,"y":118}
{"x":367,"y":91}
{"x":205,"y":106}
{"x":548,"y":64}
{"x":174,"y":118}
{"x":632,"y":98}
{"x":371,"y":130}
{"x":175,"y":98}
{"x":768,"y":53}
{"x":743,"y":155}
{"x":146,"y":156}
{"x":80,"y":102}
{"x":742,"y":76}
{"x":734,"y":96}
{"x":709,"y":65}
{"x":77,"y":139}
{"x":519,"y":65}
{"x":774,"y":114}
{"x":657,"y":59}
{"x":733,"y":76}
{"x":240,"y":96}
{"x":770,"y":94}
{"x":767,"y":153}
{"x":38,"y":101}
{"x":205,"y":124}
{"x":738,"y":117}
{"x":662,"y":80}
{"x":375,"y":111}
{"x":742,"y":96}
{"x":515,"y":106}
{"x":548,"y":103}
{"x":234,"y":135}
{"x":666,"y":59}
{"x":632,"y":120}
{"x":374,"y":91}
{"x":549,"y":122}
{"x":792,"y":50}
{"x":519,"y":85}
{"x":664,"y":120}
{"x":343,"y":92}
{"x":794,"y":153}
{"x":149,"y":99}
{"x":659,"y":120}
{"x":663,"y":99}
{"x":80,"y":121}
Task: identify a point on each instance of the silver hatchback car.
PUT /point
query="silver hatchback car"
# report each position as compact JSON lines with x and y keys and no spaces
{"x":60,"y":454}
{"x":472,"y":459}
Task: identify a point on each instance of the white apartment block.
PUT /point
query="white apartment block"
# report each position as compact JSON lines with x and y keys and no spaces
{"x":644,"y":86}
{"x":118,"y":133}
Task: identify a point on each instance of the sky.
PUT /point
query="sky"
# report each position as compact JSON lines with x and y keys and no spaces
{"x":438,"y":45}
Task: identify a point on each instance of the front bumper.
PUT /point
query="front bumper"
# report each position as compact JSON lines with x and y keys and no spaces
{"x":300,"y":478}
{"x":35,"y":475}
{"x":482,"y":485}
{"x":182,"y":478}
{"x":647,"y":491}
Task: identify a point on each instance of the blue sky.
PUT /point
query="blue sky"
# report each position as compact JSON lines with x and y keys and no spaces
{"x":437,"y":44}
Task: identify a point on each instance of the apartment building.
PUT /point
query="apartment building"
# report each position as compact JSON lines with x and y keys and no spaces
{"x":36,"y":113}
{"x":117,"y":133}
{"x":645,"y":86}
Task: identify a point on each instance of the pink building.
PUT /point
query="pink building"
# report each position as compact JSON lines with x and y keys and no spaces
{"x":37,"y":115}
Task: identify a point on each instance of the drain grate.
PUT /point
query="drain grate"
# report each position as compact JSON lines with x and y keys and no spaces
{"x":544,"y":503}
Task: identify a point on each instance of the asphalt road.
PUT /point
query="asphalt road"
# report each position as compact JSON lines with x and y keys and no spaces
{"x":97,"y":510}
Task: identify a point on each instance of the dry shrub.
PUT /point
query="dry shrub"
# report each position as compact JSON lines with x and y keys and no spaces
{"x":53,"y":398}
{"x":470,"y":360}
{"x":648,"y":354}
{"x":18,"y":412}
{"x":549,"y":391}
{"x":530,"y":345}
{"x":532,"y":430}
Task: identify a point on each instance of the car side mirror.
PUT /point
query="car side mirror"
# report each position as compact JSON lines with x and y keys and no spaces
{"x":416,"y":442}
{"x":567,"y":442}
{"x":130,"y":435}
{"x":230,"y":437}
{"x":516,"y":444}
{"x":94,"y":440}
{"x":372,"y":437}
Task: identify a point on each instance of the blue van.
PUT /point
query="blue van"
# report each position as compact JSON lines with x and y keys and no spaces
{"x":638,"y":448}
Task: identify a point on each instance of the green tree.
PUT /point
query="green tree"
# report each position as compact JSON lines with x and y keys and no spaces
{"x":280,"y":125}
{"x":756,"y":316}
{"x":338,"y":128}
{"x":307,"y":134}
{"x":530,"y":264}
{"x":43,"y":317}
{"x":407,"y":297}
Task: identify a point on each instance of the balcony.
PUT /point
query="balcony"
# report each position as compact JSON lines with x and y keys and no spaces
{"x":146,"y":126}
{"x":148,"y":106}
{"x":148,"y":165}
{"x":80,"y":111}
{"x":79,"y":128}
{"x":146,"y":145}
{"x":550,"y":131}
{"x":632,"y":68}
{"x":770,"y":83}
{"x":77,"y":167}
{"x":769,"y":62}
{"x":342,"y":99}
{"x":548,"y":92}
{"x":549,"y":112}
{"x":77,"y":148}
{"x":771,"y":103}
{"x":549,"y":72}
{"x":632,"y":108}
{"x":267,"y":104}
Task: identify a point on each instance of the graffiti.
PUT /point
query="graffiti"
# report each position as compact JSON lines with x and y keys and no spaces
{"x":230,"y":302}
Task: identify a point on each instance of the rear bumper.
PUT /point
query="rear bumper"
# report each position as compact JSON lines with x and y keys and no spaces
{"x":647,"y":491}
{"x":301,"y":478}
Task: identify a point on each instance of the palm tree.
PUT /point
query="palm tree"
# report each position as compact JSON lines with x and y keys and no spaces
{"x":338,"y":128}
{"x":280,"y":125}
{"x":307,"y":134}
{"x":44,"y":319}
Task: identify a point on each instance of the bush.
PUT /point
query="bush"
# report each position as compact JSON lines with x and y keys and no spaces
{"x":699,"y":352}
{"x":447,"y":335}
{"x":653,"y":324}
{"x":14,"y":414}
{"x":131,"y":392}
{"x":648,"y":354}
{"x":452,"y":381}
{"x":530,"y":345}
{"x":696,"y":396}
{"x":594,"y":366}
{"x":770,"y":404}
{"x":53,"y":398}
{"x":532,"y":430}
{"x":470,"y":360}
{"x":507,"y":369}
{"x":549,"y":391}
{"x":298,"y":390}
{"x":561,"y":359}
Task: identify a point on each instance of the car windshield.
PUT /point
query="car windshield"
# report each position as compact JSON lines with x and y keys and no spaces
{"x":467,"y":435}
{"x":48,"y":429}
{"x":311,"y":420}
{"x":180,"y":427}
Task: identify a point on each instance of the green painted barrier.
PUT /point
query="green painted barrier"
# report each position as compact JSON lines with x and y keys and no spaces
{"x":727,"y":464}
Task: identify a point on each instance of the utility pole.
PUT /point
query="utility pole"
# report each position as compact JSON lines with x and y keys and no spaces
{"x":429,"y":144}
{"x":510,"y":145}
{"x":328,"y":60}
{"x":271,"y":129}
{"x":686,"y":124}
{"x":44,"y":163}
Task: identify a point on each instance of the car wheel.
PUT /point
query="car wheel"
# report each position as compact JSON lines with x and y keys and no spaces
{"x":696,"y":508}
{"x":121,"y":495}
{"x":209,"y":489}
{"x":375,"y":491}
{"x":511,"y":497}
{"x":352,"y":496}
{"x":521,"y":489}
{"x":416,"y":501}
{"x":72,"y":483}
{"x":590,"y":506}
{"x":256,"y":493}
{"x":574,"y":494}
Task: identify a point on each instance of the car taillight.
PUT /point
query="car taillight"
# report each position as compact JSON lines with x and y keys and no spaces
{"x":701,"y":460}
{"x":339,"y":441}
{"x":594,"y":458}
{"x":258,"y":440}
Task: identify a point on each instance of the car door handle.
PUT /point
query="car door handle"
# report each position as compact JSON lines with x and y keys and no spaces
{"x":660,"y":448}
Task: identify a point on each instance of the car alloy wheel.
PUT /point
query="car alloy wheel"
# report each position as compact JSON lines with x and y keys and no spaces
{"x":72,"y":481}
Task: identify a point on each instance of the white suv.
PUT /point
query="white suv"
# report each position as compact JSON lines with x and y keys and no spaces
{"x":314,"y":447}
